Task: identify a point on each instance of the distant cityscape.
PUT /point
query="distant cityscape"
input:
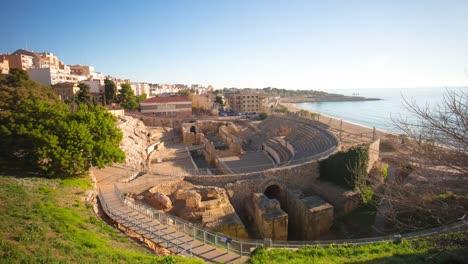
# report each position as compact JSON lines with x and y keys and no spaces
{"x":46,"y":68}
{"x":161,"y":99}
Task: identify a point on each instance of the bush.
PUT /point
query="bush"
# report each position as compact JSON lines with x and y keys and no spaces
{"x":389,"y":144}
{"x":345,"y":167}
{"x":384,"y":172}
{"x":263,"y":116}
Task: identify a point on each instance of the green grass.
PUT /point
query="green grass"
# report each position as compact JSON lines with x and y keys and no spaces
{"x":47,"y":221}
{"x":448,"y":248}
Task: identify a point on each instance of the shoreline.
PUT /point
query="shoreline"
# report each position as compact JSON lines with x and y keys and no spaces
{"x":335,"y":123}
{"x":329,"y":98}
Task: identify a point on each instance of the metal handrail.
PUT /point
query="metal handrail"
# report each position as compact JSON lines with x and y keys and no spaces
{"x":245,"y":247}
{"x":206,"y":236}
{"x":138,"y":223}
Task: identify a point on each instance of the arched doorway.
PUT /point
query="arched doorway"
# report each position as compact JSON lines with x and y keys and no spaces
{"x":193,"y":130}
{"x":273,"y":192}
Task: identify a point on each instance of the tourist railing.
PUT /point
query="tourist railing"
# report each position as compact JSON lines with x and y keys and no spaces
{"x":150,"y":231}
{"x":245,"y":247}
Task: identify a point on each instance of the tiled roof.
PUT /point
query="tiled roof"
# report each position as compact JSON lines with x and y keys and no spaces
{"x":168,"y":99}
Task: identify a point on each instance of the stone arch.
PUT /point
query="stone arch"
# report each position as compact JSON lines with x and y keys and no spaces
{"x":265,"y":184}
{"x":273,"y":189}
{"x":273,"y":192}
{"x":193,"y":129}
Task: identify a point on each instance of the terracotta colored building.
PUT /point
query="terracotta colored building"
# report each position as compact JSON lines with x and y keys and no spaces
{"x":173,"y":106}
{"x":19,"y":61}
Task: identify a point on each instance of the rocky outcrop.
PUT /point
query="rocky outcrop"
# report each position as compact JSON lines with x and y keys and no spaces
{"x":159,"y":201}
{"x":134,"y":142}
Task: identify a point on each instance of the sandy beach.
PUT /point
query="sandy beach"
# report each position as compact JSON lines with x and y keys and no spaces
{"x":348,"y":127}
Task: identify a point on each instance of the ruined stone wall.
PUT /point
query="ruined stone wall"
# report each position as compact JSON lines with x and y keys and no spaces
{"x":344,"y":201}
{"x":135,"y":141}
{"x":270,"y":220}
{"x":374,"y":149}
{"x":221,"y":166}
{"x":309,"y":217}
{"x":232,"y":141}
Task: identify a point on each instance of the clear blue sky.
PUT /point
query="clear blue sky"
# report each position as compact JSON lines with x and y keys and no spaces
{"x":291,"y":44}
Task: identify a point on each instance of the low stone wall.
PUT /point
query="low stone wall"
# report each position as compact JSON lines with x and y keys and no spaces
{"x":374,"y":149}
{"x":117,"y":112}
{"x":270,"y":220}
{"x":272,"y":153}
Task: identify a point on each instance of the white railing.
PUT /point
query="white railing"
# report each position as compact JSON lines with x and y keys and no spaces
{"x":148,"y":230}
{"x":245,"y":247}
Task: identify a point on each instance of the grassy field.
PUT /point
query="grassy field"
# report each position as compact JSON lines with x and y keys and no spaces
{"x":448,"y":248}
{"x":47,"y":221}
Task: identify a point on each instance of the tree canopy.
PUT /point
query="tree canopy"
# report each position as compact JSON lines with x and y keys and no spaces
{"x":110,"y":91}
{"x":39,"y":130}
{"x":84,"y":95}
{"x":127,"y":97}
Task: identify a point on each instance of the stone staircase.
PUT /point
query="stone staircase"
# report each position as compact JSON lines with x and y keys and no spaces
{"x":162,"y":233}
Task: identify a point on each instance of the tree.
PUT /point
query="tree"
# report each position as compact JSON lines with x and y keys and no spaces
{"x":110,"y":91}
{"x":186,"y":92}
{"x":219,"y":100}
{"x":43,"y":132}
{"x":84,"y":95}
{"x":16,"y":77}
{"x":17,"y":87}
{"x":128,"y":99}
{"x":429,"y":187}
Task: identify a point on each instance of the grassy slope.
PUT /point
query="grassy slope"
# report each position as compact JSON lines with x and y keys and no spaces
{"x":449,"y":248}
{"x":46,"y":221}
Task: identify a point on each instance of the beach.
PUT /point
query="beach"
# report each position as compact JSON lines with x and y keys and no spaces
{"x":347,"y":126}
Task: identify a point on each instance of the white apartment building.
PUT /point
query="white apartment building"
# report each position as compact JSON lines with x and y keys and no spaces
{"x":52,"y":75}
{"x":140,"y":88}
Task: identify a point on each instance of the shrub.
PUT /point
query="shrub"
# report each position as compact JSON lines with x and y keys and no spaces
{"x":384,"y":172}
{"x":346,"y":168}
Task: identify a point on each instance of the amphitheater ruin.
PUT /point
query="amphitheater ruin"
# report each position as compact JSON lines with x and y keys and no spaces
{"x":240,"y":178}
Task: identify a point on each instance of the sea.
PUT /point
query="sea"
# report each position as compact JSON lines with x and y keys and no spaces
{"x":379,"y":114}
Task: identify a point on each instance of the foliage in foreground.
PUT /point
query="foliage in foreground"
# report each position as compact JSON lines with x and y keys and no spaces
{"x":39,"y":130}
{"x":448,"y":248}
{"x":46,"y":221}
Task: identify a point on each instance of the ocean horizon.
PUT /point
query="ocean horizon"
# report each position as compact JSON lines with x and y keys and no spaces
{"x":379,"y":113}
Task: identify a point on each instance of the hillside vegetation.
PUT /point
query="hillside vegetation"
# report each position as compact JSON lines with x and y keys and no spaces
{"x":447,"y":248}
{"x":47,"y":221}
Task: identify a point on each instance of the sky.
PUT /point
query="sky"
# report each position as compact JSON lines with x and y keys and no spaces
{"x":288,"y":44}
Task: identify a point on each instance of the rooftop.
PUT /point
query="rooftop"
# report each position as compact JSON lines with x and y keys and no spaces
{"x":169,"y":99}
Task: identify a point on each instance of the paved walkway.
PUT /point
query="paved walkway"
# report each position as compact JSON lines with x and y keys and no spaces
{"x":164,"y":235}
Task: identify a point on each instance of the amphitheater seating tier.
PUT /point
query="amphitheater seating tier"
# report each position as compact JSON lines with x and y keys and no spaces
{"x":308,"y":138}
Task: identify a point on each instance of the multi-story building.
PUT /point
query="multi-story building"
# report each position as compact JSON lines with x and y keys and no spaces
{"x":43,"y":67}
{"x":66,"y":90}
{"x":172,"y":106}
{"x":40,"y":60}
{"x":52,"y":75}
{"x":96,"y":85}
{"x":246,"y":102}
{"x":4,"y":65}
{"x":140,"y":88}
{"x":82,"y":70}
{"x":19,"y":61}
